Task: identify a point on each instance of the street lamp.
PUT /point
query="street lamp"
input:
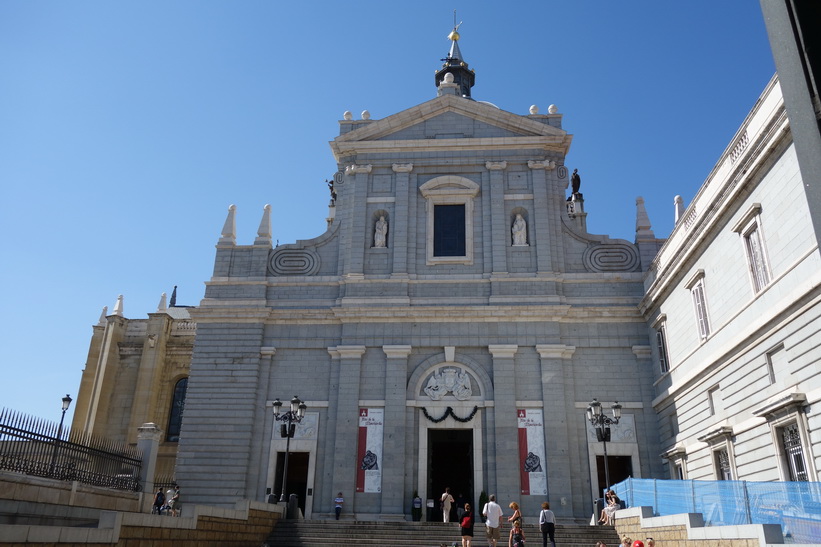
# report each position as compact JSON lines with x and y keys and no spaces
{"x":66,"y":403}
{"x":602,"y":423}
{"x":290,"y":418}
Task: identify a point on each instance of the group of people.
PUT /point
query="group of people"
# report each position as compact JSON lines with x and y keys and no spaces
{"x":627,"y":542}
{"x":612,"y":503}
{"x":493,"y":514}
{"x":167,"y":503}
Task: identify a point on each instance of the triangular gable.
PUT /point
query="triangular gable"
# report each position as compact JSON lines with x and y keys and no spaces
{"x":481,"y":114}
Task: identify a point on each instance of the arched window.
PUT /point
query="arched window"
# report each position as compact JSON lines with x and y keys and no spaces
{"x":175,"y":415}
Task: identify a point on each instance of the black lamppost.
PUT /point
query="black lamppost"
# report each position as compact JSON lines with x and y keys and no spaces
{"x":287,"y":430}
{"x":602,"y":423}
{"x":66,"y":404}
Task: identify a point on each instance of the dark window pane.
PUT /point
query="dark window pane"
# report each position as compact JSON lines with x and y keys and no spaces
{"x":175,"y":416}
{"x":449,"y":230}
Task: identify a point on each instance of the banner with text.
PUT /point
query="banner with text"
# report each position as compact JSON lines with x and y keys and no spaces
{"x":531,"y":452}
{"x":368,"y":473}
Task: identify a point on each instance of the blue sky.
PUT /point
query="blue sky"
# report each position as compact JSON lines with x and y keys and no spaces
{"x":128,"y":128}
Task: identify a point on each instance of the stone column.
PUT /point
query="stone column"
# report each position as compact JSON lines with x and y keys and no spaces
{"x":500,"y":231}
{"x":393,"y":443}
{"x":541,"y":225}
{"x":261,"y":457}
{"x":399,"y":227}
{"x":343,"y":404}
{"x":148,"y":442}
{"x":357,"y":227}
{"x":564,"y":460}
{"x":505,"y":422}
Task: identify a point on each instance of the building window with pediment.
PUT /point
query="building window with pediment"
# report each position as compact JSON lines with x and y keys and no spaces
{"x":790,"y":435}
{"x":724,"y":471}
{"x":749,"y":228}
{"x":696,"y":287}
{"x":660,"y":326}
{"x":449,"y":228}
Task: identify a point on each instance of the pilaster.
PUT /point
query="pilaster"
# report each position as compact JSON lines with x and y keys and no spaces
{"x":541,"y":224}
{"x":401,"y":228}
{"x":357,"y":229}
{"x":498,"y":224}
{"x":505,"y":421}
{"x":564,"y":460}
{"x":344,"y":404}
{"x":393,"y":444}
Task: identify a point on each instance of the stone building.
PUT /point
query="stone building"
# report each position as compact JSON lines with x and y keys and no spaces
{"x":451,"y":326}
{"x":455,"y":320}
{"x":137,"y":372}
{"x":733,"y":297}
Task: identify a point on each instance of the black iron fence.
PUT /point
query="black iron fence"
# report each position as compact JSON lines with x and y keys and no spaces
{"x":38,"y":447}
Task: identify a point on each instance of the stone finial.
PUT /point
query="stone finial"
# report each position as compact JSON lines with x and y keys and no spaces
{"x":118,"y":307}
{"x":347,"y":115}
{"x":264,"y":231}
{"x":552,"y":109}
{"x":162,"y":305}
{"x":102,"y":321}
{"x":229,"y":229}
{"x":643,"y":227}
{"x":366,"y":115}
{"x":534,"y":109}
{"x":679,"y":205}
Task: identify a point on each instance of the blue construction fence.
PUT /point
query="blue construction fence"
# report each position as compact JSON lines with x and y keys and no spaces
{"x":796,"y":506}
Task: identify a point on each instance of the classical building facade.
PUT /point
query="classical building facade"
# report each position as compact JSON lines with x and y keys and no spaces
{"x":451,"y":326}
{"x":137,"y":372}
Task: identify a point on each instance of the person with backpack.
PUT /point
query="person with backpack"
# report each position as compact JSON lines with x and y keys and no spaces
{"x":159,"y":502}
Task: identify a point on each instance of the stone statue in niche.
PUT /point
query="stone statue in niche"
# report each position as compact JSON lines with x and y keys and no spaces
{"x":380,"y":233}
{"x":519,"y":231}
{"x":449,"y":380}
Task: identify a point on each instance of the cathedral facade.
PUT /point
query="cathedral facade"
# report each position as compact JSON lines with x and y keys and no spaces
{"x":447,"y":330}
{"x":454,"y":322}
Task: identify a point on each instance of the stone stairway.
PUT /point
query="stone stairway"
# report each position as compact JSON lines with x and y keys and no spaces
{"x":328,"y":533}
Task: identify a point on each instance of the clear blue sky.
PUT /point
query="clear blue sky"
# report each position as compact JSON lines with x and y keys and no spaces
{"x":128,"y":128}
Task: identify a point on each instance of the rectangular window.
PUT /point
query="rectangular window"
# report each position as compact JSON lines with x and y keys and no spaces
{"x":661,"y":340}
{"x":756,"y":259}
{"x":449,"y":230}
{"x":700,"y":304}
{"x":793,"y":452}
{"x":723,"y":470}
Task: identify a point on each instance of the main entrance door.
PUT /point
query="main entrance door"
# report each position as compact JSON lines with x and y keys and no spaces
{"x":620,"y":468}
{"x":297,"y":476}
{"x":450,"y":464}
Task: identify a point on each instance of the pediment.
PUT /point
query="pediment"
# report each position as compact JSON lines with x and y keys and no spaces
{"x":450,"y":117}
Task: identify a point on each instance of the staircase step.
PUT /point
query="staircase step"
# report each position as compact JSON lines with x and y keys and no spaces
{"x":327,"y":533}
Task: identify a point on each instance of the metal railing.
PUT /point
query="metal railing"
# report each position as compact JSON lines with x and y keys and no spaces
{"x":38,"y":447}
{"x":796,"y":506}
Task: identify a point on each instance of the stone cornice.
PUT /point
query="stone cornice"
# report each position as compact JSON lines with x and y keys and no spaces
{"x":549,"y":165}
{"x":550,"y":144}
{"x":267,"y":351}
{"x":721,"y":433}
{"x":346,"y":352}
{"x":642,"y":352}
{"x":555,"y":351}
{"x":397,"y":352}
{"x":496,"y":165}
{"x":787,"y":402}
{"x":402,"y":167}
{"x":503,"y":351}
{"x":357,"y":169}
{"x":676,"y":453}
